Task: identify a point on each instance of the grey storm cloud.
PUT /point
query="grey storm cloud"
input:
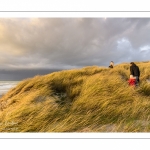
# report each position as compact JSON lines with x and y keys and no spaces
{"x":65,"y":43}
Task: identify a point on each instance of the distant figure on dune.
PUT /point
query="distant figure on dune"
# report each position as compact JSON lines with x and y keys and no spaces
{"x":135,"y":71}
{"x":111,"y":64}
{"x":132,"y":81}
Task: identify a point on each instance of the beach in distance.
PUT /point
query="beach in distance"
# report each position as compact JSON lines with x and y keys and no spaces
{"x":5,"y":86}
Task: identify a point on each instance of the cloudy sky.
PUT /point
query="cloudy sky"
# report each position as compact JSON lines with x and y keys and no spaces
{"x":30,"y":46}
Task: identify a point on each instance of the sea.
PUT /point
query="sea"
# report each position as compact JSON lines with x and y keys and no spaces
{"x":5,"y":86}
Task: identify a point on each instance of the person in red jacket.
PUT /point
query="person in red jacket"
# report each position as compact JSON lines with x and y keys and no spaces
{"x":132,"y":81}
{"x":135,"y":71}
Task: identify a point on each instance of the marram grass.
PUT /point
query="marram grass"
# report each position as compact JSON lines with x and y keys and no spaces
{"x":91,"y":99}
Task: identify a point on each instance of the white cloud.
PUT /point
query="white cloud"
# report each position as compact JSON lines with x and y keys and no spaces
{"x":145,"y":48}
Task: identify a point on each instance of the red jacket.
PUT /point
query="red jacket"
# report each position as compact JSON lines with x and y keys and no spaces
{"x":132,"y":82}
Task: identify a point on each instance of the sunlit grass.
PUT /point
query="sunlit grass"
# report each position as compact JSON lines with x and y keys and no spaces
{"x":91,"y":99}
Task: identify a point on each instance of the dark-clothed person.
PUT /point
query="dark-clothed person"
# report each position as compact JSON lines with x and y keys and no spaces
{"x":135,"y":71}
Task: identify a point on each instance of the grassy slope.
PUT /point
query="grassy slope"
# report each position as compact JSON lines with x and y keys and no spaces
{"x":91,"y":99}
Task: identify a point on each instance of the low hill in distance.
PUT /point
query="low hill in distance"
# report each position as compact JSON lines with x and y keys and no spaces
{"x":91,"y":99}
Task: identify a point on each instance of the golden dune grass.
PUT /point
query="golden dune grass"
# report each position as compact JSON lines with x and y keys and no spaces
{"x":91,"y":99}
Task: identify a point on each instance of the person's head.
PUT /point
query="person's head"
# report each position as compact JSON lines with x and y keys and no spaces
{"x":112,"y":63}
{"x":131,"y":77}
{"x":132,"y":63}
